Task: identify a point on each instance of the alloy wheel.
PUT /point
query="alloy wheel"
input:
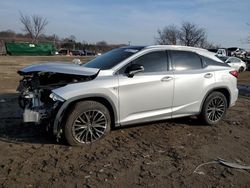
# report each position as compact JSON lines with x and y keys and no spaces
{"x":215,"y":109}
{"x":89,"y":126}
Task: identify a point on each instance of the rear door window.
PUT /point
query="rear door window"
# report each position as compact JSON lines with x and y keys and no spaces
{"x":184,"y":60}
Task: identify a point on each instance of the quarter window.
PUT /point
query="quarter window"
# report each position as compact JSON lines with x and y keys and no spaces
{"x":183,"y":60}
{"x":207,"y":61}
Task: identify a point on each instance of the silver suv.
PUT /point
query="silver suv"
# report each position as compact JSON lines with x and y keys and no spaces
{"x":127,"y":85}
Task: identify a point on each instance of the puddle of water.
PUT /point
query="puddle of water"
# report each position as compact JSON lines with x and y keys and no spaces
{"x":244,"y":90}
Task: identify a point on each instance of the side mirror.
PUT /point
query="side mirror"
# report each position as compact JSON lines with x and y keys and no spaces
{"x":134,"y":69}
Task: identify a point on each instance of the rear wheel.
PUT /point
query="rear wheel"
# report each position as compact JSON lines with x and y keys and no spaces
{"x":241,"y":69}
{"x":87,"y":122}
{"x":214,"y":108}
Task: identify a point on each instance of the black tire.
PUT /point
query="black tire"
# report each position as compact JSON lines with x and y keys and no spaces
{"x":241,"y":69}
{"x":214,"y":108}
{"x":82,"y":126}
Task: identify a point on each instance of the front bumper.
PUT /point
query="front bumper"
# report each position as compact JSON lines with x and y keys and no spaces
{"x":41,"y":114}
{"x":31,"y":116}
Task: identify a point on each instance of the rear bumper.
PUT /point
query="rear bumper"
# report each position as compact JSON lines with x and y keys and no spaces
{"x":234,"y":97}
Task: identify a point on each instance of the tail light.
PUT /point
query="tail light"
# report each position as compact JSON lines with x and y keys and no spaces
{"x":234,"y":73}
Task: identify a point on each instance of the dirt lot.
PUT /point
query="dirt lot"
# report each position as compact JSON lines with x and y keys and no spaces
{"x":163,"y":154}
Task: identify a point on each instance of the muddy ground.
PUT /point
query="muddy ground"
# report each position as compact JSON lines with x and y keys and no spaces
{"x":162,"y":154}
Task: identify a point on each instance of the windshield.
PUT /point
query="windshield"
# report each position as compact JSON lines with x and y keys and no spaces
{"x":111,"y":58}
{"x":223,"y":58}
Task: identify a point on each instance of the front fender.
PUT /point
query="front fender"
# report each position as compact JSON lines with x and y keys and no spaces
{"x":60,"y":114}
{"x":104,"y":87}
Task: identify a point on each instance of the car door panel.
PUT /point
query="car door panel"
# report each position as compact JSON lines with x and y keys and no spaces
{"x":145,"y":97}
{"x":191,"y":78}
{"x":189,"y":91}
{"x":148,"y":95}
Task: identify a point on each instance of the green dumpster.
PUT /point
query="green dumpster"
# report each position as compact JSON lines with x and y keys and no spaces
{"x":29,"y":49}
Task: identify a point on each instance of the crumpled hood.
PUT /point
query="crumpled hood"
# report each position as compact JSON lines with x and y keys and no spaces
{"x":59,"y":67}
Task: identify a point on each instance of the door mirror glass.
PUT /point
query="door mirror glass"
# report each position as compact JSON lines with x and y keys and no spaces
{"x":134,"y":69}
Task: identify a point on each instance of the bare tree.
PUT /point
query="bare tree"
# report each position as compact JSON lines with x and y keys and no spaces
{"x":192,"y":35}
{"x":101,"y":46}
{"x":7,"y":33}
{"x":168,"y":35}
{"x":188,"y":34}
{"x":33,"y":25}
{"x":209,"y":45}
{"x":72,"y":38}
{"x":101,"y":43}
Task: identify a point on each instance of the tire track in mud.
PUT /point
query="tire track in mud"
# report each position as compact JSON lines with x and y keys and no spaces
{"x":153,"y":155}
{"x":108,"y":160}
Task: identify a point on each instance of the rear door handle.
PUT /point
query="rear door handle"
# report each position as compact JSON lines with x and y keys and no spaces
{"x":208,"y":75}
{"x":167,"y":78}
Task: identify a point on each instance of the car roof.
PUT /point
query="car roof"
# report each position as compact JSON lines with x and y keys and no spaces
{"x":174,"y":47}
{"x":133,"y":47}
{"x":200,"y":51}
{"x":167,"y":47}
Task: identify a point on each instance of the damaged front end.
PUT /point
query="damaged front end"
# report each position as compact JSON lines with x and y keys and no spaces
{"x":36,"y":97}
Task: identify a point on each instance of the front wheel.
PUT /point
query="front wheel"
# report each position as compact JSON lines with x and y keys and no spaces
{"x":88,"y":121}
{"x":214,"y":108}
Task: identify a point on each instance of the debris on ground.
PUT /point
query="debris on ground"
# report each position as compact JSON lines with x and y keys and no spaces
{"x":222,"y":162}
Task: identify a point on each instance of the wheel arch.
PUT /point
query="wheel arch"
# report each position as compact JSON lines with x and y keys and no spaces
{"x":105,"y":100}
{"x":224,"y":90}
{"x":241,"y":69}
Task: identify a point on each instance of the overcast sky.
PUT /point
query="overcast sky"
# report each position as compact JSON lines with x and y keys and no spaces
{"x":120,"y":21}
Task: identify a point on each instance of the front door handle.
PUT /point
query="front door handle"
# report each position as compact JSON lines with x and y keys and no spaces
{"x":167,"y":78}
{"x":208,"y":75}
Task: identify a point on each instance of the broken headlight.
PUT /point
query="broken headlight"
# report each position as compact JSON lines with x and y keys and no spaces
{"x":56,"y":97}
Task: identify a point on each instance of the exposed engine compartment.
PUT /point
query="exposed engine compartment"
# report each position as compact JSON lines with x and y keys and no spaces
{"x":35,"y":90}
